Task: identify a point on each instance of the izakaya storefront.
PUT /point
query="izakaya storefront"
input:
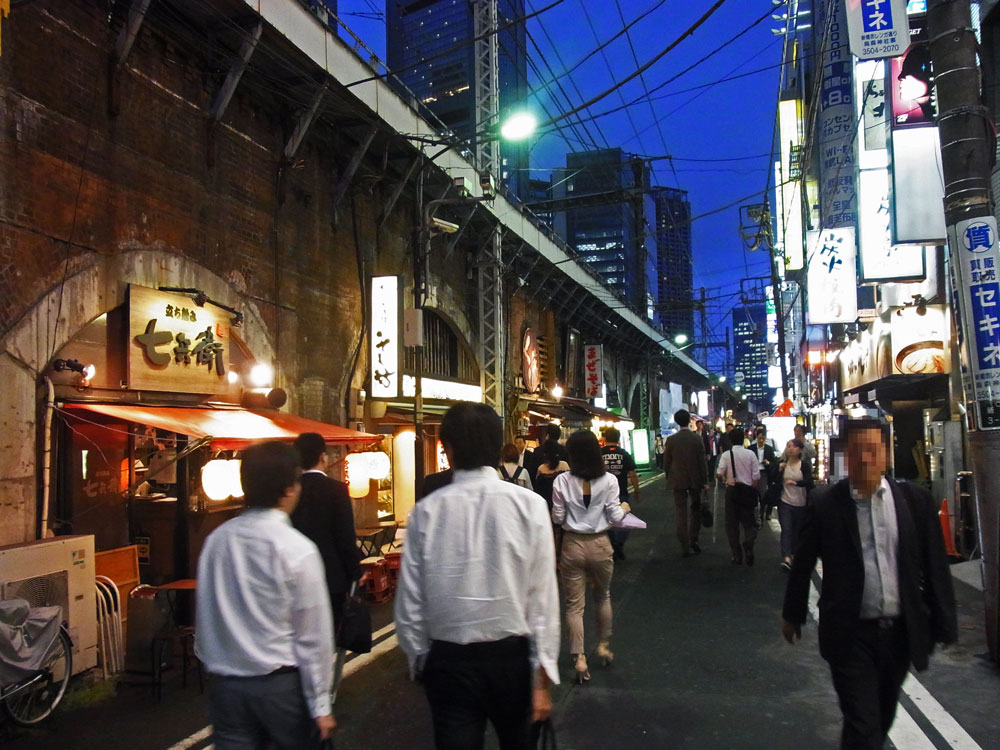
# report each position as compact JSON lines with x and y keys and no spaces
{"x":150,"y":406}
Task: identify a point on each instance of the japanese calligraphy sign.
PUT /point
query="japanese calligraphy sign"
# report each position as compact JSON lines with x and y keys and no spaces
{"x":593,"y":370}
{"x":836,"y":123}
{"x":832,"y":277}
{"x":878,"y":28}
{"x":175,"y":344}
{"x":976,"y":257}
{"x":385,"y":337}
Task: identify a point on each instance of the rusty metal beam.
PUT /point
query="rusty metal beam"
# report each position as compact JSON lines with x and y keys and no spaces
{"x":352,"y":167}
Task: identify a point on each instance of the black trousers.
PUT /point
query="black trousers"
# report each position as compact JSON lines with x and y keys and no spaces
{"x":868,"y":678}
{"x":253,"y":713}
{"x":469,"y":684}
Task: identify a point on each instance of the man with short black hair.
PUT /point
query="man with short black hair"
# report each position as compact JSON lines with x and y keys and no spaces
{"x":887,"y":595}
{"x":477,"y":610}
{"x":264,"y":631}
{"x":324,"y":514}
{"x":619,"y":462}
{"x":687,"y":475}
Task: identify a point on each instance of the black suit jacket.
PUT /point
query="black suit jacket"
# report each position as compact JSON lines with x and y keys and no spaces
{"x":766,"y":454}
{"x":684,"y":460}
{"x":830,"y":531}
{"x":324,"y":514}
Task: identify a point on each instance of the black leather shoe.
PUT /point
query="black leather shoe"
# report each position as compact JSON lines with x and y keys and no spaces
{"x":695,"y":549}
{"x":748,"y":555}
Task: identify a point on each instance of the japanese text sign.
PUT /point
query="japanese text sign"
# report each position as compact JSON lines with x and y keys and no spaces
{"x":877,"y":28}
{"x":175,"y":344}
{"x":832,"y":277}
{"x":593,"y":370}
{"x":976,"y":257}
{"x":881,"y":260}
{"x":385,"y":337}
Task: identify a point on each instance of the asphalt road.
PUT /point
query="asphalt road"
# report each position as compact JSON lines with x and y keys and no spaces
{"x":699,"y":664}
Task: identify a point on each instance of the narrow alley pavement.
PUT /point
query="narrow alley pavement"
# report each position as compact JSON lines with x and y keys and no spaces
{"x":699,"y":664}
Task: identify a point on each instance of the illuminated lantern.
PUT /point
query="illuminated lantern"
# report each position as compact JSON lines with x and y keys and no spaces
{"x":217,"y":479}
{"x":378,"y":464}
{"x":358,"y":474}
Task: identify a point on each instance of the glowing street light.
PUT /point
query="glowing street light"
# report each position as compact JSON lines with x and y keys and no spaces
{"x":518,"y":126}
{"x":680,"y":339}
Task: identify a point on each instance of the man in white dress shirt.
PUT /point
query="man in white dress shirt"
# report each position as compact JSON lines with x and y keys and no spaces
{"x":264,"y":630}
{"x":740,"y":469}
{"x":477,"y":610}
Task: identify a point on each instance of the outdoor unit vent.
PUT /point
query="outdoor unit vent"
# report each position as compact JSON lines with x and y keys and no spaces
{"x":57,"y":572}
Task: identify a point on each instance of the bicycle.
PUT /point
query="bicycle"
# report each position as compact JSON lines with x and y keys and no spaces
{"x":36,"y":661}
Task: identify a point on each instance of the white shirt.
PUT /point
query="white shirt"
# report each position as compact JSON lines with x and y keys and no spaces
{"x":262,"y":604}
{"x":747,"y":467}
{"x":879,"y":534}
{"x":569,"y":511}
{"x":479,"y":565}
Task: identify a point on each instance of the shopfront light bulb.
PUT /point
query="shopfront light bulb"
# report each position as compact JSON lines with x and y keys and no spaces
{"x":261,"y":375}
{"x":557,"y":391}
{"x":232,"y":377}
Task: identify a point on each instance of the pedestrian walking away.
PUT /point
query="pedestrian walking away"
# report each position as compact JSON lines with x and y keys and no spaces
{"x":795,"y":481}
{"x":687,"y":475}
{"x":620,"y":463}
{"x":739,"y":469}
{"x":477,"y":608}
{"x":658,"y":451}
{"x":887,"y":595}
{"x":510,"y":470}
{"x":585,"y":502}
{"x":264,"y":631}
{"x":324,"y":514}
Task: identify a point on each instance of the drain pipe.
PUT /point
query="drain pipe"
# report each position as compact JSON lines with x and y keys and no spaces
{"x":50,"y":405}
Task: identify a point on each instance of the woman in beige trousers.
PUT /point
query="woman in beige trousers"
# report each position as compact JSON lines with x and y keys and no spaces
{"x":585,"y":503}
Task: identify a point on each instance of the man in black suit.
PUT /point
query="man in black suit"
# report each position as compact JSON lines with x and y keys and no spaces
{"x":886,"y":596}
{"x":324,"y":514}
{"x":764,"y":451}
{"x":687,"y":475}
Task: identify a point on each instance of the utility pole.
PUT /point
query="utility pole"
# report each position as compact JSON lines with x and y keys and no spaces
{"x":964,"y":129}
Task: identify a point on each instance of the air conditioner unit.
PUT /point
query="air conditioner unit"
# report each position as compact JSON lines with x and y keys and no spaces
{"x":57,"y":571}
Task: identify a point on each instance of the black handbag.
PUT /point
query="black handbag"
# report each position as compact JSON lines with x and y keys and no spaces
{"x":706,"y":515}
{"x":544,"y":735}
{"x":354,"y":631}
{"x":744,"y":495}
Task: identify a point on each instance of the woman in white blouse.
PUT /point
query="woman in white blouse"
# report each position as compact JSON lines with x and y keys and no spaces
{"x":795,"y":473}
{"x":585,"y":503}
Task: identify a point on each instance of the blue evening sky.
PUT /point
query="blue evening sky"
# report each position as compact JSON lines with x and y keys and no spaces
{"x":718,"y":135}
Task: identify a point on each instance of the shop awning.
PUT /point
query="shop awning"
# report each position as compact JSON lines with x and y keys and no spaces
{"x":227,"y":428}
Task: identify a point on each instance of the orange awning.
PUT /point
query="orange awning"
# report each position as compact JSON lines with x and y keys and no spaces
{"x":228,"y":428}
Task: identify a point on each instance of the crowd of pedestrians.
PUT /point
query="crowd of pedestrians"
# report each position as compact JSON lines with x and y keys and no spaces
{"x":496,"y":539}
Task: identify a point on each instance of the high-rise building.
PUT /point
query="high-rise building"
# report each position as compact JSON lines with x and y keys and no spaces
{"x":750,"y":353}
{"x":675,"y":308}
{"x":429,"y":45}
{"x":608,"y":229}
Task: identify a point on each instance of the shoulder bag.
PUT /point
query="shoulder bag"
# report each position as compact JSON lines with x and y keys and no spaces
{"x":743,"y":495}
{"x":354,"y":630}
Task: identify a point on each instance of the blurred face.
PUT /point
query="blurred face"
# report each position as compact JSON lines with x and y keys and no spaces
{"x":761,"y":437}
{"x":800,"y":432}
{"x":792,"y":450}
{"x":519,"y":444}
{"x":867,"y":458}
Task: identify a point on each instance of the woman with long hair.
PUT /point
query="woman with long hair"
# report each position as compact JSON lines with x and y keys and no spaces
{"x":795,"y":478}
{"x":585,"y":503}
{"x":550,"y":467}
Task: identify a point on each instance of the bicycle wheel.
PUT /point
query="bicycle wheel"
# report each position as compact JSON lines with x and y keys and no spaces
{"x":35,"y":702}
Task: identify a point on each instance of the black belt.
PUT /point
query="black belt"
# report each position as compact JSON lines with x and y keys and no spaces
{"x":882,"y":623}
{"x":513,"y":645}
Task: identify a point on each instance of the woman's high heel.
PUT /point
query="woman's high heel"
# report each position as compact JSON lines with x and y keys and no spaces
{"x":582,"y":673}
{"x":605,"y":654}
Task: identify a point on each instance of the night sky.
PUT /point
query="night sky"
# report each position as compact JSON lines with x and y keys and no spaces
{"x":718,"y":132}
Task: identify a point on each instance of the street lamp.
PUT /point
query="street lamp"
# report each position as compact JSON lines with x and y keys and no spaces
{"x":518,"y":126}
{"x":680,"y":339}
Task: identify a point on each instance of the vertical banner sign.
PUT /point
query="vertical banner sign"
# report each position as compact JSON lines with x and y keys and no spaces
{"x":878,"y":28}
{"x":838,"y":201}
{"x":975,"y":253}
{"x":593,"y":370}
{"x":385,"y":337}
{"x":832,"y":277}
